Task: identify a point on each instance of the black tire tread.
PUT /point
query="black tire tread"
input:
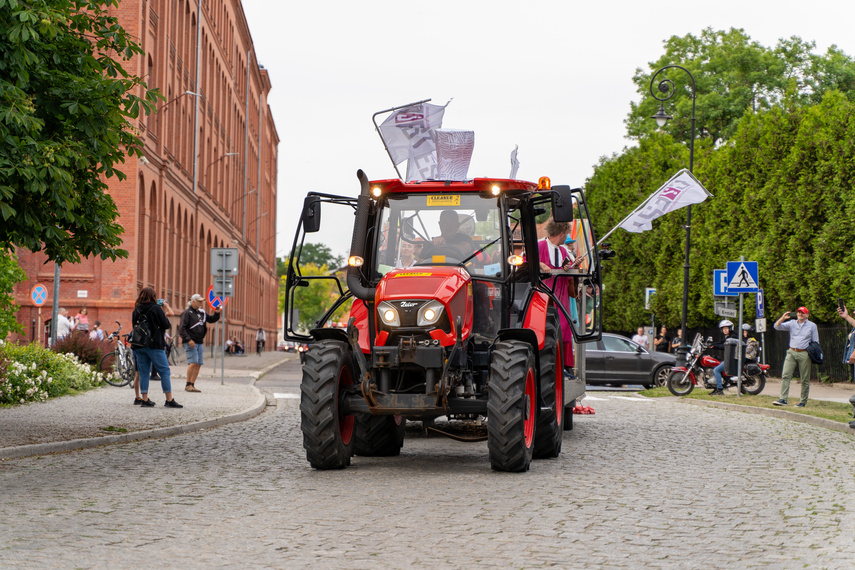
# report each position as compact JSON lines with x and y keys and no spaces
{"x":318,"y":405}
{"x":548,"y":433}
{"x":505,"y":407}
{"x":378,"y":436}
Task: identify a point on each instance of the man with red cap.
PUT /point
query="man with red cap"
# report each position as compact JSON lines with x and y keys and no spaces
{"x":802,"y":332}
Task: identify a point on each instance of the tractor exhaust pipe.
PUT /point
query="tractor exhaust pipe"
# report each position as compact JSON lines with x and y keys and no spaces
{"x":357,"y":244}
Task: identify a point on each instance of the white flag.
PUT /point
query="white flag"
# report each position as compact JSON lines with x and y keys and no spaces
{"x":409,"y":132}
{"x":515,"y":164}
{"x":681,"y":190}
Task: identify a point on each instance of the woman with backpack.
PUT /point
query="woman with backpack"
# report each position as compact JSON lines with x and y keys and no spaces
{"x":149,"y":316}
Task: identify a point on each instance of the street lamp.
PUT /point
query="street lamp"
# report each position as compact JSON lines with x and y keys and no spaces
{"x":174,"y":99}
{"x":666,"y":88}
{"x":228,"y":154}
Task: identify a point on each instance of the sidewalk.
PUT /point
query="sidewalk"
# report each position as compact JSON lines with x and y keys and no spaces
{"x":107,"y":414}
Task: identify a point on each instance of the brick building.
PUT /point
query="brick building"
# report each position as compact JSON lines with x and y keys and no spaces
{"x":174,"y":209}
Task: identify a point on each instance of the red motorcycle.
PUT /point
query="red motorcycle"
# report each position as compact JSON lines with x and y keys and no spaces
{"x":699,"y":371}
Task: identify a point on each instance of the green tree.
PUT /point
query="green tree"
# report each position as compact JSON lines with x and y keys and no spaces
{"x":10,"y":275}
{"x":735,"y":75}
{"x":318,"y":254}
{"x":315,"y":298}
{"x":66,"y":112}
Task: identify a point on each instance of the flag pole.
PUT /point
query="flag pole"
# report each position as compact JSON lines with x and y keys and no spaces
{"x":377,"y":128}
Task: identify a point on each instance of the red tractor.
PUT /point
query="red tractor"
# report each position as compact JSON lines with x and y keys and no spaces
{"x":447,"y":317}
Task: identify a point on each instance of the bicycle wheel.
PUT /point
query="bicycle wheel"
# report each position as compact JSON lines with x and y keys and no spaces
{"x":109,"y":366}
{"x":129,"y":369}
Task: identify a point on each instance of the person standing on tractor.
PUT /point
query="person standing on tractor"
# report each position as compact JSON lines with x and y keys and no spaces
{"x":553,"y":255}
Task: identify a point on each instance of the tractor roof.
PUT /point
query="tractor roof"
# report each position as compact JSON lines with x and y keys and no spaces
{"x":476,"y":185}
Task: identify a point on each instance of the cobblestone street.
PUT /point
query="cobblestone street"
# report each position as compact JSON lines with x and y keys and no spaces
{"x":651,"y":483}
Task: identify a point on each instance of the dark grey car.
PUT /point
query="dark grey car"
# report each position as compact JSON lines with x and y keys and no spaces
{"x":617,"y":360}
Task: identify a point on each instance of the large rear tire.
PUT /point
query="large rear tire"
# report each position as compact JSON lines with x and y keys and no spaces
{"x":511,"y":407}
{"x":550,"y":422}
{"x":327,"y":434}
{"x":680,"y":383}
{"x":378,"y":436}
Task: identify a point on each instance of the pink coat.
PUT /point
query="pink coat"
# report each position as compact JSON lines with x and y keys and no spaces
{"x":561,"y":289}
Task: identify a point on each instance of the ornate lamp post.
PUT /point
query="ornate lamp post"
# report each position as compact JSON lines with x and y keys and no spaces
{"x":667,"y":90}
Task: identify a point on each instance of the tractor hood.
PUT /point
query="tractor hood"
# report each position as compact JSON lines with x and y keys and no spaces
{"x":423,"y":282}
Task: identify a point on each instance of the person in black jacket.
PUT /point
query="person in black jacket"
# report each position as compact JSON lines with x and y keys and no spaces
{"x":193,"y":329}
{"x":152,"y":355}
{"x":726,"y":332}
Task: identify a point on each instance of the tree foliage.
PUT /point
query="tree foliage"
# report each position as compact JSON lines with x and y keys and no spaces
{"x":314,"y":299}
{"x":782,"y":197}
{"x":66,"y":106}
{"x":316,"y":254}
{"x":733,"y":75}
{"x":10,"y":275}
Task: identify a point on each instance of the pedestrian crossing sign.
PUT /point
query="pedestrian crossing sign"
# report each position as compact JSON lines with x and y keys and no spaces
{"x":742,"y":277}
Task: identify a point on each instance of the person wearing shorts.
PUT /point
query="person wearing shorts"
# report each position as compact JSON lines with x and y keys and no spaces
{"x":192,"y":329}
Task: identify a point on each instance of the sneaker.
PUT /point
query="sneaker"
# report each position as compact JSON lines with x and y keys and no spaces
{"x":146,"y":404}
{"x":172,"y":404}
{"x":779,"y":403}
{"x":800,"y":405}
{"x":137,"y":401}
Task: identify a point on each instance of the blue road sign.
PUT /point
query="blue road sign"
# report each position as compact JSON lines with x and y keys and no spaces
{"x":720,"y":284}
{"x":39,"y":295}
{"x":214,"y":301}
{"x":761,"y":309}
{"x":742,"y":277}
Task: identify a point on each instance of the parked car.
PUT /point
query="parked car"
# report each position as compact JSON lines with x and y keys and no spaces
{"x":617,"y":360}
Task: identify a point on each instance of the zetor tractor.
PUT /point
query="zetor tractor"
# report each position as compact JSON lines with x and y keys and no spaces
{"x":450,"y":314}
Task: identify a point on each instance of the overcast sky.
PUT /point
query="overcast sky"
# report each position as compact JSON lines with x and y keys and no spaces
{"x":554,"y":77}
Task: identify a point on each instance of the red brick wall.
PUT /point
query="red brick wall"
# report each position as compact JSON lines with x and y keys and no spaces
{"x":169,"y":229}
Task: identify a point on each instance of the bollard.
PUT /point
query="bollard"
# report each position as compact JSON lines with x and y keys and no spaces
{"x":852,"y":401}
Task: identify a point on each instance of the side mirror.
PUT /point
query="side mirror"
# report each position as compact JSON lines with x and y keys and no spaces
{"x":562,"y":204}
{"x":311,"y":214}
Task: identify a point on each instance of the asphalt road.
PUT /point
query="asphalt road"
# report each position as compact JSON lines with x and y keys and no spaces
{"x":643,"y":483}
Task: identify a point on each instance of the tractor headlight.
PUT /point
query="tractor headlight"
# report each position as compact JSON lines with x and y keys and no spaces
{"x":388,"y":314}
{"x":430,"y":313}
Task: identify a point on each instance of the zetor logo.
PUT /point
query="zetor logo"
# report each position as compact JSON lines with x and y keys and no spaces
{"x":407,"y":304}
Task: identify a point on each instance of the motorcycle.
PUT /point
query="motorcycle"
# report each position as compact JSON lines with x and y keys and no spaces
{"x":699,"y":371}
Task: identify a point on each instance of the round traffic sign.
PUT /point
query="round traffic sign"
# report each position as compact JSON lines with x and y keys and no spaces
{"x":39,"y":295}
{"x":215,"y":302}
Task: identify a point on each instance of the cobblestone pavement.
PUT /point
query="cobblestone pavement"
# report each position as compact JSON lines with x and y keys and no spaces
{"x":643,"y":483}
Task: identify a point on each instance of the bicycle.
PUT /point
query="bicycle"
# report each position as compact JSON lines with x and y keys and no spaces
{"x":174,"y":357}
{"x":118,"y":365}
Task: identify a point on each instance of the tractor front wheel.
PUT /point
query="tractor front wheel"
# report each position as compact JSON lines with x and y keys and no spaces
{"x":327,"y":434}
{"x":511,"y":407}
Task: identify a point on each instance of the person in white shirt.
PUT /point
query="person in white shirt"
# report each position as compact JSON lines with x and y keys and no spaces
{"x":64,"y":325}
{"x":640,"y":338}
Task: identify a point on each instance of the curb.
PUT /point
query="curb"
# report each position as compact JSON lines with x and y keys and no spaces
{"x":86,"y":443}
{"x":792,"y":416}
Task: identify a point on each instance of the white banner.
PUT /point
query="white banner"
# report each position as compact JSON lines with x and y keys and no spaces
{"x":681,"y":190}
{"x":409,"y":132}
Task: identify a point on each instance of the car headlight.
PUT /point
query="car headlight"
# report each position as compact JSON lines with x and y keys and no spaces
{"x":430,"y":313}
{"x":388,"y":314}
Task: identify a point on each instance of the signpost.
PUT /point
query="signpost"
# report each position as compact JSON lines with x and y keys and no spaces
{"x":39,"y":295}
{"x":742,"y":277}
{"x":224,"y":266}
{"x":720,"y":284}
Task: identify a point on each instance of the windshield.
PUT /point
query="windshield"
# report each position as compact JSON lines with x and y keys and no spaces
{"x":441,"y":229}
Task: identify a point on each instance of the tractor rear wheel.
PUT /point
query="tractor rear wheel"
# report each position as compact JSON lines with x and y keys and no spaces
{"x":550,"y":422}
{"x":511,"y":407}
{"x":378,"y":436}
{"x":327,"y":434}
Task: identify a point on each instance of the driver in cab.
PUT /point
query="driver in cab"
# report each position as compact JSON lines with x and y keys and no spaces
{"x":450,"y":234}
